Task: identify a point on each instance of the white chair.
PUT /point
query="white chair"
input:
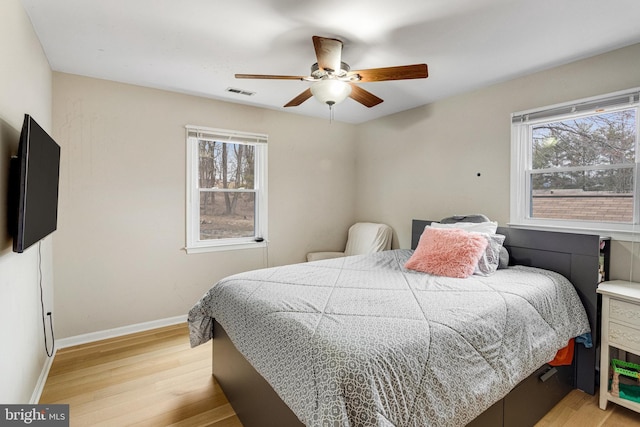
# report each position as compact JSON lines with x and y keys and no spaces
{"x":364,"y":238}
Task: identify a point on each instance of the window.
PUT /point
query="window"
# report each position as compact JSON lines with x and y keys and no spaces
{"x":575,"y":165}
{"x":226,"y":189}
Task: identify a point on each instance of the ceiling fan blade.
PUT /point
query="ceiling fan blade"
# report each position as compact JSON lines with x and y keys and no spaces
{"x":403,"y":72}
{"x":328,"y":53}
{"x":268,"y":76}
{"x":364,"y":97}
{"x":299,"y":99}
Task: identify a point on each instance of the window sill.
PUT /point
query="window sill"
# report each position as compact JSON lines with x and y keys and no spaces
{"x":621,"y":235}
{"x":226,"y":247}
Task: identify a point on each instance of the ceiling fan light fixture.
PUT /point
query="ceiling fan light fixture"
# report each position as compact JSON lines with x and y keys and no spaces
{"x":330,"y":91}
{"x":333,"y":80}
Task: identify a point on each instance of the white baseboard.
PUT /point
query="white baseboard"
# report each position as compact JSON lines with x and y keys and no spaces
{"x":118,"y":332}
{"x":42,"y":380}
{"x":97,"y":336}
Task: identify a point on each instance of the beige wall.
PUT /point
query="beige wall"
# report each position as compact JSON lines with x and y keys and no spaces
{"x":118,"y":249}
{"x":25,"y":87}
{"x":424,"y":163}
{"x":118,"y":257}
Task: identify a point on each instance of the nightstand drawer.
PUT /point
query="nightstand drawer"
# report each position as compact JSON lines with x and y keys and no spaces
{"x":624,"y":336}
{"x":624,"y":312}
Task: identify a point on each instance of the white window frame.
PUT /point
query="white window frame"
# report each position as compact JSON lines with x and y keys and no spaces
{"x":522,"y":124}
{"x":259,"y":141}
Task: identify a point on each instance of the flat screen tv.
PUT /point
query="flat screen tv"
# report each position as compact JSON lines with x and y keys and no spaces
{"x":35,"y":171}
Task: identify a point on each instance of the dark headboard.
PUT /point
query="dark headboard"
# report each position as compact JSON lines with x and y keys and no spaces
{"x":575,"y":256}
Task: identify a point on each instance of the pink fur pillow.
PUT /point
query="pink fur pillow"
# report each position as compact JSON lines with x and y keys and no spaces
{"x":447,"y":252}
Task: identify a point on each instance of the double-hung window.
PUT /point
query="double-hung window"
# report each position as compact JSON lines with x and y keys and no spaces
{"x":226,"y":189}
{"x":575,"y":165}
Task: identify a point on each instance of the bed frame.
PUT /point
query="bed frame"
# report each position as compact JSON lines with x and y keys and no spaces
{"x":576,"y":256}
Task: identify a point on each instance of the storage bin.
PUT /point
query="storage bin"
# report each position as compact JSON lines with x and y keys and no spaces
{"x":625,"y":390}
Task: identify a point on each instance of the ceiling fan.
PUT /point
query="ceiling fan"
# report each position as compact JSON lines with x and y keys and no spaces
{"x":334,"y":81}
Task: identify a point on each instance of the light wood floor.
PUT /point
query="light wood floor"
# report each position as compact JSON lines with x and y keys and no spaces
{"x":154,"y":379}
{"x":147,"y":379}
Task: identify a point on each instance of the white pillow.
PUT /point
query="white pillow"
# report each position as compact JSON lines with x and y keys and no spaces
{"x":488,"y":227}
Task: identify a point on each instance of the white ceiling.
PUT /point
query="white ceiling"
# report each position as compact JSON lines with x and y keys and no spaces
{"x":196,"y":46}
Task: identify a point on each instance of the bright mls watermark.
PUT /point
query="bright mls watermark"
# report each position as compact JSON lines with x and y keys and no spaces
{"x":34,"y":415}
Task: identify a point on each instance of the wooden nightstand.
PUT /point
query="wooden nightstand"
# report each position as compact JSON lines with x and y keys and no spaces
{"x":620,"y":330}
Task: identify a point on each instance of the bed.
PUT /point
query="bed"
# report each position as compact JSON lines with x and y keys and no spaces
{"x":306,"y":347}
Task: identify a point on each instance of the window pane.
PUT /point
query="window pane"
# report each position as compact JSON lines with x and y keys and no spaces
{"x":226,"y":165}
{"x":225,"y":215}
{"x":601,"y":139}
{"x":597,"y":195}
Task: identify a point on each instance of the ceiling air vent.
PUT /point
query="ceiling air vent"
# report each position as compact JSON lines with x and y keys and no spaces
{"x":240,"y":91}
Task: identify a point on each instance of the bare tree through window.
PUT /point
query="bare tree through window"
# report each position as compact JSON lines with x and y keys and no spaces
{"x":227,"y":189}
{"x":583,"y":168}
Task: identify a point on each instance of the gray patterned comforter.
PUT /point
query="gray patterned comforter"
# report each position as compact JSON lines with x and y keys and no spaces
{"x":362,"y":341}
